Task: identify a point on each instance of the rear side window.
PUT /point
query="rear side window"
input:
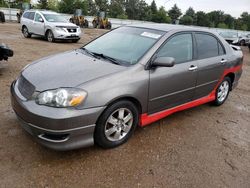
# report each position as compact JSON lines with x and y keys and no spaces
{"x":179,"y":47}
{"x":221,"y":49}
{"x":26,"y":14}
{"x":207,"y":46}
{"x":31,"y":15}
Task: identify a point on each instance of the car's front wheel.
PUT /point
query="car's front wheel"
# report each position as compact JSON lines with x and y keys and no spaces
{"x":116,"y":124}
{"x":50,"y":36}
{"x":75,"y":40}
{"x":222,"y":91}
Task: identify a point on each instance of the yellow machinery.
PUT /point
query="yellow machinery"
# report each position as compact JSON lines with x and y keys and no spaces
{"x":23,"y":7}
{"x":79,"y":19}
{"x":101,"y":21}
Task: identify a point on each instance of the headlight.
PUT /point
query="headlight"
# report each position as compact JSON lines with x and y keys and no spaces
{"x":62,"y":97}
{"x":60,"y":29}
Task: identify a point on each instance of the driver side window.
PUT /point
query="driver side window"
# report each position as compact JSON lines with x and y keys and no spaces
{"x":37,"y":17}
{"x":179,"y":47}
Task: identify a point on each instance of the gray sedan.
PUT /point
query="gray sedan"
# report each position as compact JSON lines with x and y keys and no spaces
{"x":131,"y":76}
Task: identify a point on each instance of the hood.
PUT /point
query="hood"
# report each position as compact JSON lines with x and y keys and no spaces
{"x":68,"y":69}
{"x":62,"y":24}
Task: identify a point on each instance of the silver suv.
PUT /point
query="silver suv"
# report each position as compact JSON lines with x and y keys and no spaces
{"x":51,"y":25}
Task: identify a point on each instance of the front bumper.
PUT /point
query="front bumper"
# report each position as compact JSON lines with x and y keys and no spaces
{"x":56,"y":128}
{"x":65,"y":35}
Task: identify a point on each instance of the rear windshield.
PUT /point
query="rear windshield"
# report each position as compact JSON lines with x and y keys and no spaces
{"x":127,"y":44}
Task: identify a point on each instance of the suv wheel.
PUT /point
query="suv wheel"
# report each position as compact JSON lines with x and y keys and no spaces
{"x":26,"y":33}
{"x":116,"y":124}
{"x":222,"y":91}
{"x":243,"y":43}
{"x":75,"y":40}
{"x":50,"y":36}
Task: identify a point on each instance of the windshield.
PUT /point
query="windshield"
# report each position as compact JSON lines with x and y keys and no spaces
{"x":229,"y":34}
{"x":125,"y":44}
{"x":54,"y":18}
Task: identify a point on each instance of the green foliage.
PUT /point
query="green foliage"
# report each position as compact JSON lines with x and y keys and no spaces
{"x":69,"y":6}
{"x":202,"y":19}
{"x":53,"y":5}
{"x":216,"y":17}
{"x":102,"y":5}
{"x":222,"y":25}
{"x":122,"y":16}
{"x":186,"y":20}
{"x":3,"y":4}
{"x":174,"y":13}
{"x":161,"y":16}
{"x":153,"y":7}
{"x":117,"y":8}
{"x":42,"y":4}
{"x":91,"y":7}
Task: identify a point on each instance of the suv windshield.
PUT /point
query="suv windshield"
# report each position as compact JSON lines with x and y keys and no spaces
{"x":54,"y":18}
{"x":125,"y":44}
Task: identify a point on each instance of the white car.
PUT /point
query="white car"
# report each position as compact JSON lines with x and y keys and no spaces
{"x":51,"y":25}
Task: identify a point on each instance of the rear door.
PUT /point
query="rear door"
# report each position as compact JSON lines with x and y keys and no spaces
{"x":172,"y":86}
{"x":211,"y":59}
{"x":30,"y":22}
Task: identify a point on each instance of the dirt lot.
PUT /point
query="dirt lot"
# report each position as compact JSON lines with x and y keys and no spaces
{"x":202,"y":147}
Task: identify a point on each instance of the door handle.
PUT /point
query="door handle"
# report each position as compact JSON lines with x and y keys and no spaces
{"x":192,"y":68}
{"x":223,"y":61}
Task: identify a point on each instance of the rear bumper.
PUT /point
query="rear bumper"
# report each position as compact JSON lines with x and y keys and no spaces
{"x":237,"y":78}
{"x":56,"y":128}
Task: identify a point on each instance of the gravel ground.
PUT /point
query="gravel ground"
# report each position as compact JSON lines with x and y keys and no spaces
{"x":202,"y":147}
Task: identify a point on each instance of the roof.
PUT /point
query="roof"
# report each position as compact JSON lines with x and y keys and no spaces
{"x":43,"y":11}
{"x":166,"y":27}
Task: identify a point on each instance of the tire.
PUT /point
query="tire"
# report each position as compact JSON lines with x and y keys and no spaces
{"x":75,"y":40}
{"x":2,"y":17}
{"x":25,"y":32}
{"x":242,"y":43}
{"x":114,"y":128}
{"x":223,"y":91}
{"x":50,"y":36}
{"x":86,"y":24}
{"x":94,"y":24}
{"x":109,"y":25}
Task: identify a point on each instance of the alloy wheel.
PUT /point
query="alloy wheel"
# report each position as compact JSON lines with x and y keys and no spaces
{"x":118,"y":124}
{"x":223,"y":91}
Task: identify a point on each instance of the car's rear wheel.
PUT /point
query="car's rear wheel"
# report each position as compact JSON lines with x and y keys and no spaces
{"x":116,"y":124}
{"x":50,"y":36}
{"x":26,"y":33}
{"x":222,"y":91}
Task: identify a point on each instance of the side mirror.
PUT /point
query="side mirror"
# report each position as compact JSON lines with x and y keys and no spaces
{"x":164,"y":62}
{"x":41,"y":20}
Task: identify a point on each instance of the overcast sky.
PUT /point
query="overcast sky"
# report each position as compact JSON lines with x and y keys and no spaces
{"x":233,"y":7}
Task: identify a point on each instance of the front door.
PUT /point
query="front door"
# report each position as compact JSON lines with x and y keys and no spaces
{"x":38,"y":26}
{"x":173,"y":86}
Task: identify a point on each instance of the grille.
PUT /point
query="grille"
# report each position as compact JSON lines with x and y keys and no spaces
{"x":25,"y":87}
{"x":71,"y":30}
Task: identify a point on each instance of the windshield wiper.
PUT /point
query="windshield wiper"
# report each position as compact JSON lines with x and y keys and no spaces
{"x":111,"y":59}
{"x":90,"y":53}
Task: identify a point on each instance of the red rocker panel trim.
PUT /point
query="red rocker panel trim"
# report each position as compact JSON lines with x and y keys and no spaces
{"x":148,"y":119}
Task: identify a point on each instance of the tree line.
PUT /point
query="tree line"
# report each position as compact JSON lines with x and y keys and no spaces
{"x":140,"y":10}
